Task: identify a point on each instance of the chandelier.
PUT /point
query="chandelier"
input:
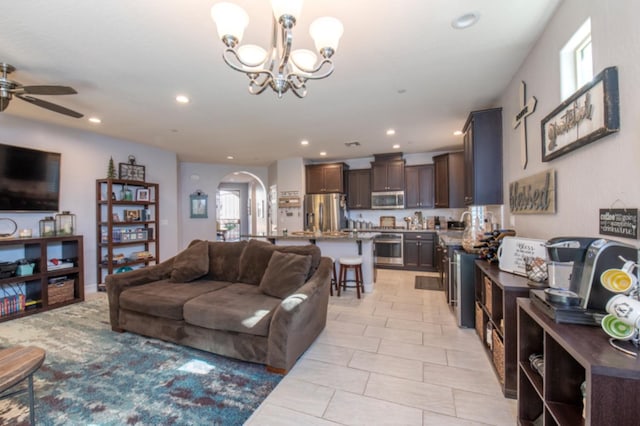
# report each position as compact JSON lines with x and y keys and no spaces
{"x":279,"y":68}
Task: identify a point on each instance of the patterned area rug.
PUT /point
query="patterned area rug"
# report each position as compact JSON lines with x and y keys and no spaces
{"x":92,"y":375}
{"x":428,"y":283}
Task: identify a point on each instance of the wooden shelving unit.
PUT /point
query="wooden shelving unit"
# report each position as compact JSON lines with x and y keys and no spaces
{"x":496,"y":320}
{"x":36,"y":287}
{"x":127,"y":235}
{"x":573,"y":354}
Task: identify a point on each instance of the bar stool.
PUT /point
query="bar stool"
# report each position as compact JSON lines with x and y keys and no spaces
{"x":17,"y":364}
{"x":354,"y":263}
{"x":334,"y":281}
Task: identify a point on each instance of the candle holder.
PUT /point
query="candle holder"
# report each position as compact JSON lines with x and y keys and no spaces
{"x":47,"y":226}
{"x":65,"y":223}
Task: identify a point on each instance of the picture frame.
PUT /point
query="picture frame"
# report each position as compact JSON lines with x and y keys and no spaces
{"x":586,"y":116}
{"x":142,"y":194}
{"x":198,"y":205}
{"x":132,"y":215}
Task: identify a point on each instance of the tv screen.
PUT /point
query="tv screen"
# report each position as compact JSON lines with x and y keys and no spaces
{"x":29,"y":179}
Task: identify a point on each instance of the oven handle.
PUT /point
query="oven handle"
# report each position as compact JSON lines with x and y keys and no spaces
{"x":388,"y":241}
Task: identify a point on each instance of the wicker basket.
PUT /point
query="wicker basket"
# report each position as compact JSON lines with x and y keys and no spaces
{"x":498,"y":356}
{"x":60,"y":292}
{"x":487,"y":294}
{"x":479,"y":325}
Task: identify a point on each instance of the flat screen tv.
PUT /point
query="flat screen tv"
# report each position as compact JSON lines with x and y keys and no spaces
{"x":29,"y":179}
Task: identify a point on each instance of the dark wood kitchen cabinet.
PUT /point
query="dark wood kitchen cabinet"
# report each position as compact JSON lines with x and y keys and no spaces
{"x":419,"y":186}
{"x":449,"y":180}
{"x":483,"y":157}
{"x":359,"y":189}
{"x":419,"y":251}
{"x":573,"y":354}
{"x":325,"y":178}
{"x":387,"y":175}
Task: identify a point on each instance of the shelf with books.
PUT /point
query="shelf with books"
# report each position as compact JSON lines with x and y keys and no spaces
{"x":126,"y":218}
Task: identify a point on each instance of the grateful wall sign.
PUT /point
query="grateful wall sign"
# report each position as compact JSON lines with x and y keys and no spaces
{"x":534,"y":194}
{"x":619,"y":222}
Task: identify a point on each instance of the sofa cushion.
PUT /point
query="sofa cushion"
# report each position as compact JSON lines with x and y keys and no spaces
{"x":242,"y":308}
{"x":165,"y":299}
{"x":256,"y":255}
{"x":285,"y":274}
{"x":191,"y":263}
{"x":224,"y":260}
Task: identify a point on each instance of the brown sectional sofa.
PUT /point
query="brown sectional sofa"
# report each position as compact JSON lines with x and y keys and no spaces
{"x":238,"y":299}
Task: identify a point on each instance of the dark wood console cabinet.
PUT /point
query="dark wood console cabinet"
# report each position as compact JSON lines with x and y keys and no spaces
{"x":573,"y":354}
{"x":496,"y":320}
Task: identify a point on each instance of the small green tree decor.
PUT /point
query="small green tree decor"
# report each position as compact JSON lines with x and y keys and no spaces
{"x":111,"y":171}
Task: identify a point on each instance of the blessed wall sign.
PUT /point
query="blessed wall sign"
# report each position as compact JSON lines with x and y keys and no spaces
{"x":588,"y":115}
{"x":534,"y":194}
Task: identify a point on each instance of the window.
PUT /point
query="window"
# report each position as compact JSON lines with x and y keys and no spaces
{"x":576,"y":61}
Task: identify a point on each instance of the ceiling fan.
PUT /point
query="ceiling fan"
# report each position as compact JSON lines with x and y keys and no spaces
{"x":9,"y":88}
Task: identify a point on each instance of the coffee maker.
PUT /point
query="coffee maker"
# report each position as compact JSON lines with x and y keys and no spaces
{"x":585,"y":300}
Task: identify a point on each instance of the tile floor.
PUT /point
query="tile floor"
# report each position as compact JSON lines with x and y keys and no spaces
{"x":394,"y":357}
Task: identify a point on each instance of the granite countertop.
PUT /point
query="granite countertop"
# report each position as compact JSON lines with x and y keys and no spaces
{"x":451,"y":238}
{"x":332,"y":236}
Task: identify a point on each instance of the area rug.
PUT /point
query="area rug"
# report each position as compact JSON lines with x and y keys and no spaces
{"x":428,"y":283}
{"x":92,"y":375}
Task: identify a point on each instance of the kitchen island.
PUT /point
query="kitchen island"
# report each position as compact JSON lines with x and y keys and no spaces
{"x":333,"y":244}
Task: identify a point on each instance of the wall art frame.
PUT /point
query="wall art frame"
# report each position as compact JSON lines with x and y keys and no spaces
{"x":198,"y":205}
{"x":586,"y":116}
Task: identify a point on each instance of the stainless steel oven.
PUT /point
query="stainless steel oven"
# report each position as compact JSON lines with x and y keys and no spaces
{"x":387,"y":249}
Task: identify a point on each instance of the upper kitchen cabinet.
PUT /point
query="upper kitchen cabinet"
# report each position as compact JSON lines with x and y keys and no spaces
{"x":419,"y":186}
{"x":325,"y":178}
{"x":483,"y":157}
{"x":449,"y":180}
{"x":387,"y":173}
{"x":359,"y":189}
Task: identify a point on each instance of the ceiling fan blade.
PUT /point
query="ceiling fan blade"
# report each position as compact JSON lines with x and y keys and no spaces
{"x":50,"y":106}
{"x":49,"y":90}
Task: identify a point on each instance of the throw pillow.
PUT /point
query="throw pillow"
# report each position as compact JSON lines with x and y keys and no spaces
{"x":191,"y":264}
{"x":286,"y":273}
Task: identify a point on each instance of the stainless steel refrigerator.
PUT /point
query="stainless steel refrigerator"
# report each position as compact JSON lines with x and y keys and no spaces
{"x":324,"y":212}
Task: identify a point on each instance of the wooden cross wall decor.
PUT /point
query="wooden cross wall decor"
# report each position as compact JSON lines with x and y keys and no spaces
{"x":526,"y":109}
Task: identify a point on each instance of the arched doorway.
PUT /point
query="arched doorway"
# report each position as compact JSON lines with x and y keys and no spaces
{"x":241,"y":206}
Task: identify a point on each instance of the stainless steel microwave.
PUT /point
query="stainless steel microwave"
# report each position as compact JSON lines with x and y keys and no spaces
{"x":387,"y":200}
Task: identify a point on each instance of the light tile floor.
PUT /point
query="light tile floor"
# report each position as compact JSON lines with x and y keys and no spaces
{"x":394,"y":357}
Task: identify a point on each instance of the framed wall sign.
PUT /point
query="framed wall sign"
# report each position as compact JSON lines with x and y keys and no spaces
{"x":534,"y":194}
{"x":198,"y":205}
{"x":588,"y":115}
{"x":131,"y":170}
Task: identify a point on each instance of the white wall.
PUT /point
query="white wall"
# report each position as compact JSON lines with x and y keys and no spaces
{"x":291,"y":177}
{"x":205,"y":177}
{"x":604,"y":173}
{"x":85,"y":158}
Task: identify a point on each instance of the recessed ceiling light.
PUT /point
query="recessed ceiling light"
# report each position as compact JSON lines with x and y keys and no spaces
{"x":95,"y":120}
{"x":465,"y":21}
{"x":457,"y":133}
{"x":304,"y":142}
{"x":229,"y":157}
{"x":391,"y":132}
{"x":323,"y":153}
{"x":182,"y":99}
{"x":396,"y":146}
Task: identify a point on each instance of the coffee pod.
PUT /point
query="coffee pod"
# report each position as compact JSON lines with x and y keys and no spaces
{"x":625,"y":308}
{"x":619,"y":280}
{"x":616,"y":328}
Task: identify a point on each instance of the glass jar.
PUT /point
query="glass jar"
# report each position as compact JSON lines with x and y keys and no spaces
{"x":47,"y":227}
{"x":65,"y":223}
{"x":474,"y":229}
